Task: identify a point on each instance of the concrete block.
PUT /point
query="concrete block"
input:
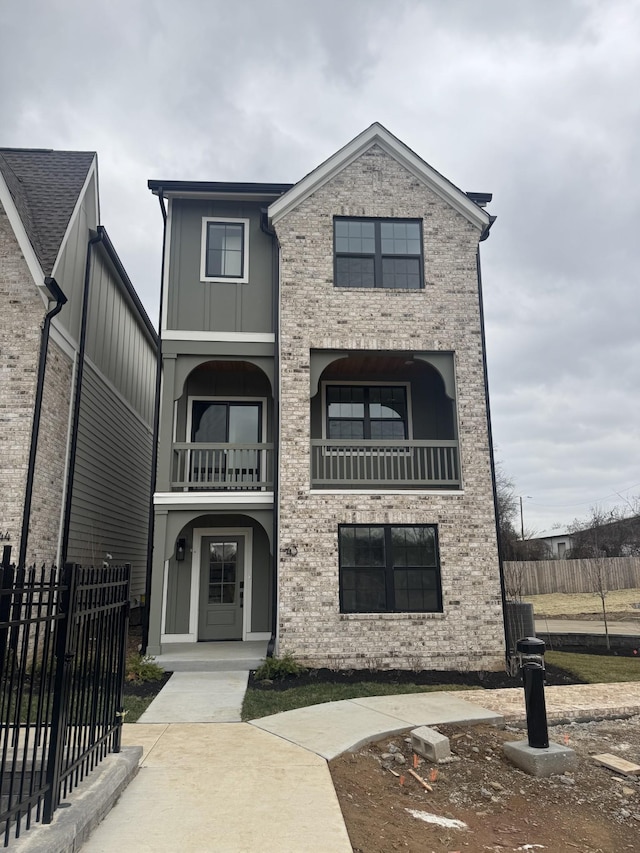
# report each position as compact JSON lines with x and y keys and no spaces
{"x":430,"y":744}
{"x":553,"y":760}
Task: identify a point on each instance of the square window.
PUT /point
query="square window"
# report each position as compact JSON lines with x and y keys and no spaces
{"x":385,"y":568}
{"x":378,"y":253}
{"x":224,"y":251}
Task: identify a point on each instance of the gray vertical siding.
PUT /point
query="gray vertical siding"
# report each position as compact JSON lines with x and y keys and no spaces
{"x":70,"y":266}
{"x":117,"y":343}
{"x":109,"y":511}
{"x":194,"y":305}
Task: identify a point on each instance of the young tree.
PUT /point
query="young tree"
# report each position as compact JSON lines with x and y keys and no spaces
{"x":507,"y":512}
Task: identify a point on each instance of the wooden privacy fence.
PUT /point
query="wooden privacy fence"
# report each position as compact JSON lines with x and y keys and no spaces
{"x":537,"y":577}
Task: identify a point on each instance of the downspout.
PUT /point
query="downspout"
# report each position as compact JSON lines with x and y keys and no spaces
{"x":503,"y":593}
{"x":76,"y":401}
{"x":156,"y":436}
{"x":275,"y":265}
{"x":60,"y":299}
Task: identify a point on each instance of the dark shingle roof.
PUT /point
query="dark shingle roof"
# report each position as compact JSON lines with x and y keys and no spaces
{"x":45,"y":186}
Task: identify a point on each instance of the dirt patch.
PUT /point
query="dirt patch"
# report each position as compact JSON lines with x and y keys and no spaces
{"x":590,"y":810}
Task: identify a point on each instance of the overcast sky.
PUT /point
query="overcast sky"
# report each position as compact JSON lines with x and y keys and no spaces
{"x":536,"y":101}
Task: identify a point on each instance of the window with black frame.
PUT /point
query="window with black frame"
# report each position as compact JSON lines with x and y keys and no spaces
{"x":370,"y":412}
{"x":387,"y":568}
{"x":224,"y":250}
{"x":378,"y":253}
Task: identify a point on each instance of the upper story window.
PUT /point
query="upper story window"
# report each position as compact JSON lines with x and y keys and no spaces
{"x":225,"y":250}
{"x":367,"y":412}
{"x":378,"y":253}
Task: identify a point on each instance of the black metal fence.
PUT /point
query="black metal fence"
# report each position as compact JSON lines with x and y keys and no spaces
{"x":62,"y":661}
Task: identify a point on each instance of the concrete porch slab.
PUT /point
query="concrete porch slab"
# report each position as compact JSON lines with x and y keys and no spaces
{"x":212,"y":657}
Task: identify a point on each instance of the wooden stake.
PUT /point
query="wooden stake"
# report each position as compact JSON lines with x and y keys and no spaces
{"x":420,"y":780}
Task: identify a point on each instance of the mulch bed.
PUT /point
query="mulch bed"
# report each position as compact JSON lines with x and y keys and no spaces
{"x":487,"y":680}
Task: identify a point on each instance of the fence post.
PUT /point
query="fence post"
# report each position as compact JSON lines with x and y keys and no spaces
{"x":6,"y":582}
{"x":122,"y":664}
{"x":64,"y":656}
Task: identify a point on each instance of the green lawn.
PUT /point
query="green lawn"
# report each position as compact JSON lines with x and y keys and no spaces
{"x":596,"y":669}
{"x":261,"y":703}
{"x":135,"y":706}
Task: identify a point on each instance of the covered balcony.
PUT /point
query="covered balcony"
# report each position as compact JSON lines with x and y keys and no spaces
{"x":222,"y":430}
{"x":384,"y":420}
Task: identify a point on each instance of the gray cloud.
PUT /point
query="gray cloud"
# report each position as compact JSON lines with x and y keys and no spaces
{"x":535,"y":102}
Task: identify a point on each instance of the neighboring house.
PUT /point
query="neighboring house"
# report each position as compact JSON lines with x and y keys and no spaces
{"x":49,"y":229}
{"x":325,"y":473}
{"x":556,"y":545}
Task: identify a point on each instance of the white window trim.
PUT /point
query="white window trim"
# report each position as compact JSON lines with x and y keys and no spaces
{"x":194,"y":598}
{"x":199,"y":398}
{"x":263,"y":425}
{"x":203,"y":250}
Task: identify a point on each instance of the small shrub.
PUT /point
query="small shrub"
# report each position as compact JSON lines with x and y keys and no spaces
{"x":282,"y":667}
{"x":142,"y":668}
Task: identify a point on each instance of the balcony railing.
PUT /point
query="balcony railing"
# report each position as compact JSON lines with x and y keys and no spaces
{"x":405,"y":464}
{"x":226,"y":467}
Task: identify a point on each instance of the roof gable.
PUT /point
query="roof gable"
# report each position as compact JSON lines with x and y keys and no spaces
{"x":45,"y":186}
{"x":376,"y":134}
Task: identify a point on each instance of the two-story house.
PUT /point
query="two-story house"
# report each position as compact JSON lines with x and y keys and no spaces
{"x":325,"y":472}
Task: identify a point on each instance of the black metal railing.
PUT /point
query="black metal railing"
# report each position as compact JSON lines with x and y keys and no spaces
{"x":62,"y":658}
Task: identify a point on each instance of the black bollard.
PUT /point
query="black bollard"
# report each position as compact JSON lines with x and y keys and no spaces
{"x":531,"y":654}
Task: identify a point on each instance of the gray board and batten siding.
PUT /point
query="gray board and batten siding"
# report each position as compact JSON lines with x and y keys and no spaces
{"x":179,"y":575}
{"x":194,"y":305}
{"x":112,"y":480}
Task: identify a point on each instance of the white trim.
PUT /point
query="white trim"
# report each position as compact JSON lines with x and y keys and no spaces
{"x":205,"y":399}
{"x":198,"y":534}
{"x":379,"y":135}
{"x":277,"y":443}
{"x":91,"y":174}
{"x":165,"y":272}
{"x":242,"y":497}
{"x":169,"y":639}
{"x":258,"y":636}
{"x":244,"y":279}
{"x":21,"y":236}
{"x":408,"y":492}
{"x":67,"y":453}
{"x":63,"y":339}
{"x":218,"y":337}
{"x":165,"y":582}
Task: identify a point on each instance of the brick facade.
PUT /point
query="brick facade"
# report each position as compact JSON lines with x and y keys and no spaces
{"x":46,"y":507}
{"x":20,"y":320}
{"x":444,"y":316}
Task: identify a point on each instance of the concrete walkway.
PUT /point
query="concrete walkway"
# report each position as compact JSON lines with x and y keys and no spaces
{"x":199,"y":697}
{"x":265,"y":785}
{"x":587,"y":626}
